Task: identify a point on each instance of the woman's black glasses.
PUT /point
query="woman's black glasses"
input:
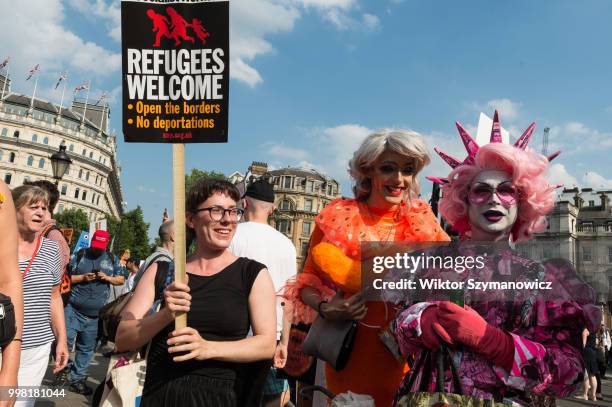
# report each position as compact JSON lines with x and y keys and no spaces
{"x":217,"y":213}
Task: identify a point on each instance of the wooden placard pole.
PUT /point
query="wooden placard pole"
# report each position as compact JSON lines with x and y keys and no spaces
{"x":180,"y":250}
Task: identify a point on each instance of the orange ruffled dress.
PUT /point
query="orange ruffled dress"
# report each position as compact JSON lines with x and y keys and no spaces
{"x":333,"y":264}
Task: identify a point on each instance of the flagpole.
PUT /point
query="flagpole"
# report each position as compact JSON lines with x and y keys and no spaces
{"x":59,"y":116}
{"x":102,"y":117}
{"x":33,"y":93}
{"x":86,"y":100}
{"x":6,"y":78}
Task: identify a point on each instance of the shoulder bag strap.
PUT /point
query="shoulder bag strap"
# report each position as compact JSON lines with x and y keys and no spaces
{"x":38,"y":242}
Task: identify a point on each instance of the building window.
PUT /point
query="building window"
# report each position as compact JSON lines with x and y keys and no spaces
{"x":76,"y":192}
{"x":46,"y":140}
{"x":306,"y":228}
{"x":310,"y":186}
{"x":80,"y":173}
{"x":71,"y":148}
{"x":287,"y":182}
{"x":308,"y":205}
{"x":87,"y":176}
{"x":285,"y":205}
{"x":284,"y":226}
{"x":16,"y":134}
{"x":30,"y":161}
{"x":84,"y":152}
{"x":330,"y":190}
{"x":61,"y":208}
{"x":64,"y":189}
{"x":41,"y":163}
{"x":591,"y":203}
{"x":304,"y":250}
{"x":587,"y":253}
{"x":12,"y":157}
{"x":91,"y":155}
{"x":7,"y":179}
{"x":34,"y":138}
{"x":4,"y":132}
{"x":547,"y":252}
{"x":610,"y":254}
{"x":84,"y":196}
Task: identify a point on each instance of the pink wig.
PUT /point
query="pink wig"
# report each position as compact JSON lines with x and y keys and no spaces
{"x":526,"y":169}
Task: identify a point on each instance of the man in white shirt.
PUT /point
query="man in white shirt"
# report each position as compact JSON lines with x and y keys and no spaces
{"x":257,"y":240}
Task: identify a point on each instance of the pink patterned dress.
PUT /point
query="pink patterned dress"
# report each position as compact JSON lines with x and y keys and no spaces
{"x":546,"y":326}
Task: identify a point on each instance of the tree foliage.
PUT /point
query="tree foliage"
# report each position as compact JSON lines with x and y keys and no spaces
{"x":75,"y":219}
{"x":196,"y":174}
{"x":131,"y":232}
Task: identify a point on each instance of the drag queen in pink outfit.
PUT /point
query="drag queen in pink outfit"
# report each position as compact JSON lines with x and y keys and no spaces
{"x":520,"y":347}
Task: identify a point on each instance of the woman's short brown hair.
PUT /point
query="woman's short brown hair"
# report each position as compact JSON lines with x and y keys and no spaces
{"x":205,"y":188}
{"x":25,"y":195}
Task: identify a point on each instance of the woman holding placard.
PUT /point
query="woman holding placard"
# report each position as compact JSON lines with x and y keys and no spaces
{"x":225,"y":295}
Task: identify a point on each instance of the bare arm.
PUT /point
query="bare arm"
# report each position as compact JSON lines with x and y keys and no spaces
{"x":59,"y":329}
{"x":260,"y":346}
{"x":10,"y":284}
{"x":114,"y":280}
{"x":136,"y":327}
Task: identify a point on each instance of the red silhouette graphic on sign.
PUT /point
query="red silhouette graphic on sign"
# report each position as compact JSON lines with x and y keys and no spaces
{"x":160,"y":25}
{"x":178,"y":27}
{"x":199,"y":29}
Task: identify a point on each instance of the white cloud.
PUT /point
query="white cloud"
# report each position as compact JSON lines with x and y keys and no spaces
{"x":33,"y":33}
{"x":336,"y":147}
{"x":558,"y":175}
{"x":370,"y":21}
{"x":94,"y":10}
{"x":595,"y":180}
{"x":579,"y":138}
{"x":142,"y":188}
{"x":253,"y":21}
{"x":508,"y":110}
{"x":290,"y":153}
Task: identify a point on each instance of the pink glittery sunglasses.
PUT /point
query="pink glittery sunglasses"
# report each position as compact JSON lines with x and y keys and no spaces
{"x":507,"y":193}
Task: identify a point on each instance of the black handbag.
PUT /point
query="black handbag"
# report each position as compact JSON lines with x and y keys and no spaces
{"x":8,"y":328}
{"x":331,"y":341}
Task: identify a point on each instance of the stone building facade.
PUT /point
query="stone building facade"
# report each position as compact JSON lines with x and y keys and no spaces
{"x":580,"y":230}
{"x":300,"y":194}
{"x":31,"y":130}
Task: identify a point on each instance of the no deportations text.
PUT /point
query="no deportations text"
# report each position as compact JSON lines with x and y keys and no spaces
{"x":182,"y":123}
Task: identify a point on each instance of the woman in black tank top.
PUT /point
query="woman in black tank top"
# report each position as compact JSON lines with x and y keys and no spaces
{"x":201,"y":365}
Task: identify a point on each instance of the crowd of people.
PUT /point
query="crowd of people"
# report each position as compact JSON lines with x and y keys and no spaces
{"x":243,"y":290}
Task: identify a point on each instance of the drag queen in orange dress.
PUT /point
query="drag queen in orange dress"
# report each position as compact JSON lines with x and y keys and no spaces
{"x":385,"y":209}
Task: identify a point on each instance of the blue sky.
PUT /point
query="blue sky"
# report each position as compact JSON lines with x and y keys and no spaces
{"x":310,"y":78}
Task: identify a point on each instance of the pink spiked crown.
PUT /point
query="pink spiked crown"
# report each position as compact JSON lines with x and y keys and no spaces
{"x":472,"y":147}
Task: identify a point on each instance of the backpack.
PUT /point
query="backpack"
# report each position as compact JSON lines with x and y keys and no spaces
{"x":110,"y":314}
{"x":81,"y":253}
{"x":65,"y":285}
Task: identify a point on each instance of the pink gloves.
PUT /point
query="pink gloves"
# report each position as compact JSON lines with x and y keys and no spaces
{"x":452,"y":324}
{"x":431,"y":330}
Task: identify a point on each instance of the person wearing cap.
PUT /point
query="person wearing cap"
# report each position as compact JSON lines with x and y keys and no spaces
{"x":257,"y":240}
{"x":93,"y":271}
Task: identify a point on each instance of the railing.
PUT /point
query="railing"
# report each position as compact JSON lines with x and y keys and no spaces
{"x":594,"y":228}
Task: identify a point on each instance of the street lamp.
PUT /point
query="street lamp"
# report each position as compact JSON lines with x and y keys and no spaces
{"x":60,"y":161}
